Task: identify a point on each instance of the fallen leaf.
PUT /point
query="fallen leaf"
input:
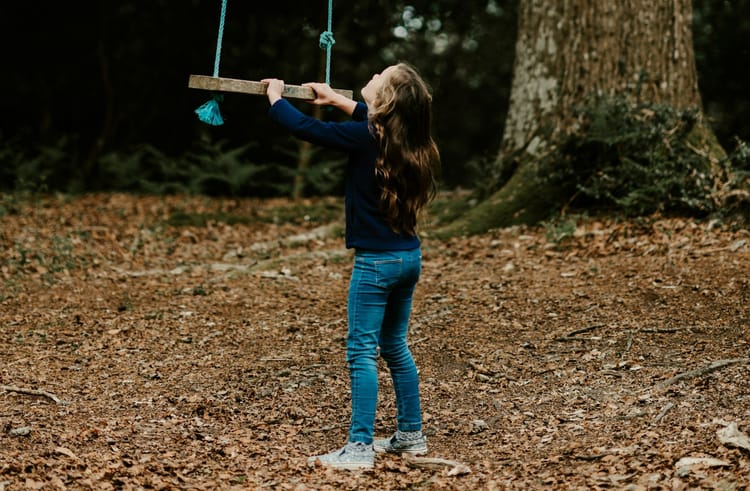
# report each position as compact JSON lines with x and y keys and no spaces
{"x":67,"y":452}
{"x":731,"y":436}
{"x":704,"y":461}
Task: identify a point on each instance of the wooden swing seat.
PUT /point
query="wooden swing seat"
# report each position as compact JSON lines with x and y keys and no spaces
{"x":221,"y":84}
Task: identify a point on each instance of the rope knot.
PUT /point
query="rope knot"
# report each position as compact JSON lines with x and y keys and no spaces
{"x":326,"y":40}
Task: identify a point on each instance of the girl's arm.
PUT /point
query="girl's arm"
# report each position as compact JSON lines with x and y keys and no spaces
{"x":348,"y":136}
{"x":325,"y":96}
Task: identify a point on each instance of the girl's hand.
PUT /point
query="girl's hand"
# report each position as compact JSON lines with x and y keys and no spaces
{"x":274,"y":90}
{"x":324,"y":94}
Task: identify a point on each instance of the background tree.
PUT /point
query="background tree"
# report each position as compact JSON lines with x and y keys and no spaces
{"x":96,"y":98}
{"x":721,"y":32}
{"x":574,"y":53}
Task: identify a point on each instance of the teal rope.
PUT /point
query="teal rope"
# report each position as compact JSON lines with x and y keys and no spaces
{"x":209,"y":112}
{"x":326,"y":42}
{"x":220,"y":37}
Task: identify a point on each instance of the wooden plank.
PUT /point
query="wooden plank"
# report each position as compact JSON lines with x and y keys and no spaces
{"x":221,"y":84}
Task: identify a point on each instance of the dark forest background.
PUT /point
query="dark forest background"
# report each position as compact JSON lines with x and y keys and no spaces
{"x":95,"y":96}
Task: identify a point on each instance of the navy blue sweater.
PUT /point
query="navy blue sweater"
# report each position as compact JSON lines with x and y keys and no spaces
{"x":365,"y":226}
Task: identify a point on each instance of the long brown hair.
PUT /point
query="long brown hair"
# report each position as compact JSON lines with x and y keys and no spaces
{"x":408,"y":159}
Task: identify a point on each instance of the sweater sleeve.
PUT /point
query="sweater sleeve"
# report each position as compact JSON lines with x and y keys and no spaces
{"x":348,"y":136}
{"x":360,"y":112}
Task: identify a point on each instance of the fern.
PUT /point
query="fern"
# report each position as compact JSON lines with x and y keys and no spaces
{"x":637,"y":158}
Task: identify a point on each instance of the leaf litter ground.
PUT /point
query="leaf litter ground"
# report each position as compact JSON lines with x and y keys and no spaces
{"x":200,"y":344}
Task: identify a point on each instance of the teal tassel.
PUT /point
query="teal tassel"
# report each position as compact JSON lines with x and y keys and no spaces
{"x":209,"y":112}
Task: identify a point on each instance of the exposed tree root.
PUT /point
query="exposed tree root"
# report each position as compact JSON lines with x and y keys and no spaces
{"x":32,"y":392}
{"x":698,"y":372}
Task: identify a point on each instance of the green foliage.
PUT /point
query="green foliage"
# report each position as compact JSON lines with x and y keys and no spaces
{"x":734,"y":195}
{"x":639,"y":159}
{"x":55,"y":256}
{"x":325,"y":177}
{"x":219,"y":172}
{"x":10,"y":204}
{"x":210,"y":170}
{"x":559,"y":229}
{"x":144,"y":169}
{"x":23,"y":169}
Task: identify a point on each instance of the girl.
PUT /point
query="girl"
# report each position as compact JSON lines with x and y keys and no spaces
{"x":391,"y":175}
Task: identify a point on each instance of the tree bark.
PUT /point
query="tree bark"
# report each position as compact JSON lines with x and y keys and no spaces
{"x":568,"y":52}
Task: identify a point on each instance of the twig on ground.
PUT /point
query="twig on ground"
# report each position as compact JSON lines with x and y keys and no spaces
{"x":654,"y":330}
{"x":591,"y":458}
{"x":663,"y":412}
{"x":576,"y":338}
{"x":487,"y":372}
{"x":571,"y":336}
{"x":699,"y":372}
{"x":31,"y":392}
{"x":537,"y":374}
{"x":628,"y":345}
{"x":480,"y":368}
{"x":665,"y":330}
{"x":456,"y":468}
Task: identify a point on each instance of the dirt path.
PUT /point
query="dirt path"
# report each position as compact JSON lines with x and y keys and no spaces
{"x":193,"y":345}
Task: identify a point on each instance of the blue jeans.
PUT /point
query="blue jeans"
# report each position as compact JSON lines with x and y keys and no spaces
{"x":380,"y":295}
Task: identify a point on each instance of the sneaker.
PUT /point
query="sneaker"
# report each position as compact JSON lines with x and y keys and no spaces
{"x":352,"y":456}
{"x":398,"y":444}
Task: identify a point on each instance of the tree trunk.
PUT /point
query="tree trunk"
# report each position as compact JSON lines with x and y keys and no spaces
{"x":567,"y":52}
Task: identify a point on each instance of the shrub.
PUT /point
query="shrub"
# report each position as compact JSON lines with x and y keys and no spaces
{"x":640,"y":159}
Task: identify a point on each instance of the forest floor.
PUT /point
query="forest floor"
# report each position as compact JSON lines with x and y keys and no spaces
{"x":195,"y":343}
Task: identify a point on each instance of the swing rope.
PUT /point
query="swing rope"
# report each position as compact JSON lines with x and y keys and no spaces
{"x":326,"y":41}
{"x":220,"y":37}
{"x":209,"y":112}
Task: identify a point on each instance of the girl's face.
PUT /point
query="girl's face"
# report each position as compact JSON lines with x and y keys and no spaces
{"x":370,"y":91}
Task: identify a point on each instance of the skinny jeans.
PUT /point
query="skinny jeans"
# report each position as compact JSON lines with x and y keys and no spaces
{"x":379,"y":306}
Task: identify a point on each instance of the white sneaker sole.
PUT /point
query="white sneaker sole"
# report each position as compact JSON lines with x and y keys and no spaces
{"x":416,"y":451}
{"x":349,"y":466}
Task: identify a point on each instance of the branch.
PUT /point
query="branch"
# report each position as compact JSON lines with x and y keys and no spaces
{"x":571,"y":336}
{"x":32,"y":392}
{"x":666,"y":330}
{"x":628,"y":345}
{"x":699,"y":372}
{"x":663,"y":412}
{"x":456,"y":468}
{"x":592,"y":457}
